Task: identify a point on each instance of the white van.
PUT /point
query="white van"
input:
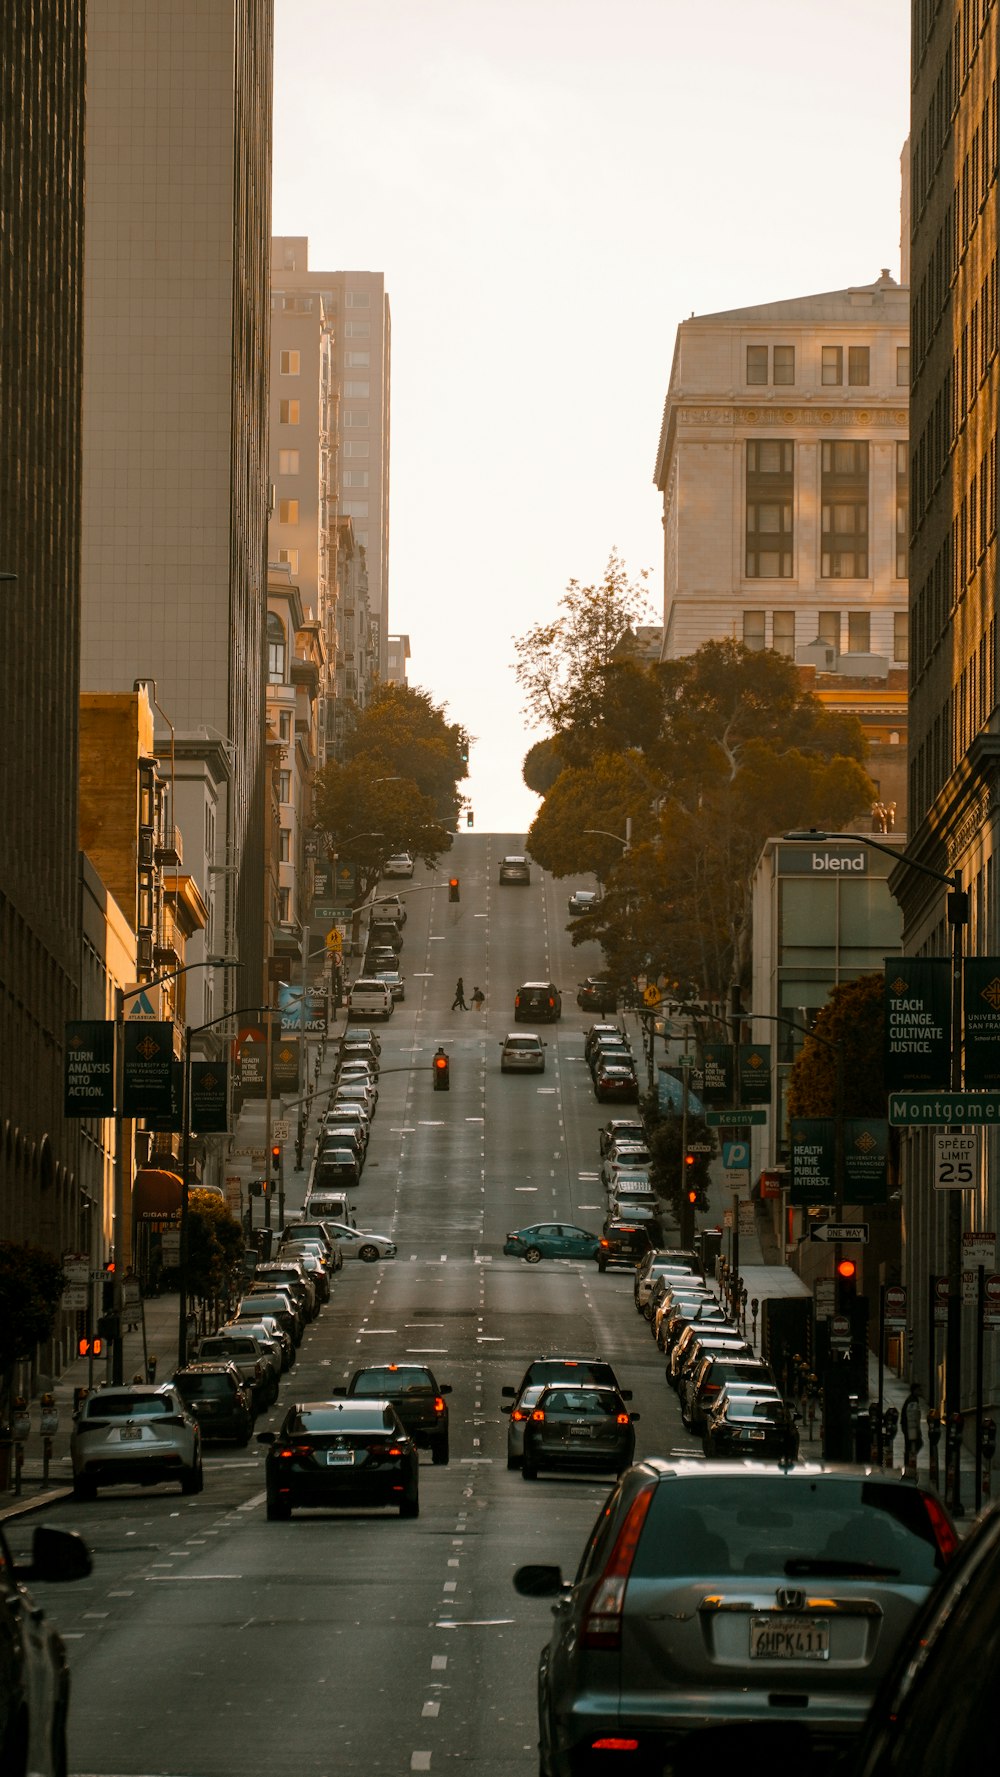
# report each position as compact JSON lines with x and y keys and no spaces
{"x":369,"y":998}
{"x":329,"y":1206}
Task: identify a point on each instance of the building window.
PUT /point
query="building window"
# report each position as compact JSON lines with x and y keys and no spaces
{"x":783,"y":364}
{"x":756,"y":364}
{"x":361,"y":538}
{"x":290,"y":364}
{"x":284,"y":718}
{"x":355,"y":390}
{"x":753,"y":630}
{"x":357,"y":416}
{"x":288,"y":511}
{"x":358,"y":329}
{"x":284,"y":905}
{"x":829,"y":629}
{"x":357,"y":360}
{"x":858,"y":366}
{"x":288,"y":413}
{"x":832,"y":368}
{"x":770,"y":488}
{"x":903,"y":367}
{"x":902,"y":509}
{"x":783,"y":633}
{"x":288,"y":462}
{"x":275,"y":650}
{"x":357,"y":299}
{"x":355,"y":478}
{"x":356,"y":447}
{"x":284,"y":845}
{"x":844,"y":499}
{"x":859,"y":632}
{"x":290,"y":557}
{"x":900,"y":635}
{"x":355,"y":508}
{"x":284,"y":786}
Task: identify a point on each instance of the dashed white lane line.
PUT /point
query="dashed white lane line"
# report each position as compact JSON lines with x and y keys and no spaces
{"x":420,"y":1761}
{"x":431,"y":1709}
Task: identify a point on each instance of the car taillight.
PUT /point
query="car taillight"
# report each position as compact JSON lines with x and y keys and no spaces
{"x":438,"y":1404}
{"x":602,"y":1618}
{"x":551,"y":1000}
{"x":944,"y":1535}
{"x":621,"y":1419}
{"x":604,"y":1243}
{"x":614,"y":1743}
{"x":538,"y":1414}
{"x":517,"y":1414}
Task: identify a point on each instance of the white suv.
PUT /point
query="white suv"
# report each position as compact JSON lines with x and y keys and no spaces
{"x":400,"y":864}
{"x":122,"y":1436}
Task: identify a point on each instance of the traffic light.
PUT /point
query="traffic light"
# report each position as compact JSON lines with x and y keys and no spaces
{"x":691,"y":1191}
{"x":257,"y":1187}
{"x":453,"y":893}
{"x":276,"y":1159}
{"x":846,"y":1273}
{"x":87,"y":1347}
{"x":469,"y":821}
{"x":108,"y":1288}
{"x":442,"y":1072}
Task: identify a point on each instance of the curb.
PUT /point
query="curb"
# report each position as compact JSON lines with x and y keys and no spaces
{"x":36,"y":1503}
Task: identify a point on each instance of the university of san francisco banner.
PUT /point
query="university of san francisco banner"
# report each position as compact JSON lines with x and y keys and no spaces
{"x":755,"y":1073}
{"x":917,"y":1023}
{"x":866,"y":1160}
{"x":982,"y":1023}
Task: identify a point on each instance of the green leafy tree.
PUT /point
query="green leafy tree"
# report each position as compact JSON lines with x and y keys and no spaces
{"x":854,"y":1017}
{"x":667,"y":1150}
{"x":402,"y":733}
{"x":542,"y":765}
{"x":566,"y":835}
{"x":370,"y":815}
{"x":31,"y":1286}
{"x":561,"y":664}
{"x":215,"y":1249}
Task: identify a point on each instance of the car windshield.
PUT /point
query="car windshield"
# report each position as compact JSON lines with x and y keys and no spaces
{"x":593,"y":1403}
{"x":128,"y":1406}
{"x":385,"y":1381}
{"x":196,"y":1387}
{"x":334,"y":1417}
{"x":786,"y":1526}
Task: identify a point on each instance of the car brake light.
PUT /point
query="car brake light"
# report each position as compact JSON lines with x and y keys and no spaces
{"x":944,"y":1535}
{"x":603,"y":1243}
{"x":518,"y":1414}
{"x":438,"y":1404}
{"x":621,"y":1419}
{"x":538,"y":1413}
{"x":614,"y":1743}
{"x":602,"y":1617}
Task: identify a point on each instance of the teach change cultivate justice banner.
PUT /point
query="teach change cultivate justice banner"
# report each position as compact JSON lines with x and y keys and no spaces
{"x":917,"y":1023}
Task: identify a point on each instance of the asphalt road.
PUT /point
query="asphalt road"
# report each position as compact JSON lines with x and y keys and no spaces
{"x":210,"y":1643}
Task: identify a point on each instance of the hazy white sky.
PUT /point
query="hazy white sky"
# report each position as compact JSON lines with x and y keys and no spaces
{"x":550,"y":186}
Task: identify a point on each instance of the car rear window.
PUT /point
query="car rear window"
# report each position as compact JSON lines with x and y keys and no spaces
{"x":594,"y":1403}
{"x":556,"y":1369}
{"x":128,"y":1406}
{"x":228,"y":1347}
{"x":197,"y":1387}
{"x":383,"y":1381}
{"x":335,"y":1418}
{"x":787,"y":1525}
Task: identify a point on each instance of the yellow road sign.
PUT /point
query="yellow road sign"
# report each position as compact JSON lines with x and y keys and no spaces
{"x":334,"y":941}
{"x":651,"y":995}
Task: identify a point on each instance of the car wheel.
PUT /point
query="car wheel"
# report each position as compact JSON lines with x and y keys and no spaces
{"x":368,"y":1253}
{"x":278,"y":1512}
{"x":532,"y":1255}
{"x":528,"y":1471}
{"x":439,"y":1452}
{"x":194,"y":1479}
{"x":602,"y":1265}
{"x":646,"y":1311}
{"x":84,"y":1487}
{"x":513,"y":1462}
{"x":410,"y":1507}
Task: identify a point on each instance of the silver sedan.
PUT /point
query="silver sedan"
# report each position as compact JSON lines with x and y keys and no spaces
{"x":520,"y":1413}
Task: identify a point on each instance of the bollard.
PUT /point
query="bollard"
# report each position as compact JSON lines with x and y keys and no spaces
{"x":933,"y":1440}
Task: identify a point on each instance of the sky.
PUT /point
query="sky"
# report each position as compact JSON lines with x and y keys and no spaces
{"x":550,"y":187}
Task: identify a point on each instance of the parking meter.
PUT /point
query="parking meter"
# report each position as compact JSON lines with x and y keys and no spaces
{"x":987,"y":1450}
{"x":933,"y":1441}
{"x":890,"y":1425}
{"x":874,"y":1432}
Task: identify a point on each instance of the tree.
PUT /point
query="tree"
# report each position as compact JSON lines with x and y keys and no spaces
{"x":402,"y":733}
{"x":542,"y":765}
{"x":667,"y":1150}
{"x":215,"y":1249}
{"x":31,"y":1286}
{"x":854,"y":1017}
{"x":561,"y":664}
{"x":599,"y":796}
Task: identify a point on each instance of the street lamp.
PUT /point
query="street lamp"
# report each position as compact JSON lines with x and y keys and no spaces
{"x":625,"y":843}
{"x":189,"y":1033}
{"x":957,"y":907}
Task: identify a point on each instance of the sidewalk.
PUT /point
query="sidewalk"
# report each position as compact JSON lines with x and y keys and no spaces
{"x":161,"y":1341}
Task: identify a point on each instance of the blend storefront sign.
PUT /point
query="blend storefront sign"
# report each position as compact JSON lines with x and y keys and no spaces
{"x":89,"y":1081}
{"x":917,"y":1022}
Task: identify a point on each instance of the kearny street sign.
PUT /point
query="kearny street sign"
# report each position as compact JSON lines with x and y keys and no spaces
{"x":942,"y":1110}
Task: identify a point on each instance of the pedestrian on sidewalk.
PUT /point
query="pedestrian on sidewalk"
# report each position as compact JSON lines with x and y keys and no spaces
{"x":478,"y":999}
{"x":459,"y":999}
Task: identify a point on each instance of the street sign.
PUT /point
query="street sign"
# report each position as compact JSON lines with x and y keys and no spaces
{"x":281,"y":1129}
{"x":937,"y":1110}
{"x":840,"y":1331}
{"x":734,"y":1119}
{"x":825,"y":1297}
{"x":76,"y":1270}
{"x":895,"y":1305}
{"x":747,"y":1219}
{"x":956,"y":1161}
{"x":850,"y":1233}
{"x":334,"y":940}
{"x":940,"y":1301}
{"x":651,"y":995}
{"x":979,"y":1249}
{"x":700,"y":1147}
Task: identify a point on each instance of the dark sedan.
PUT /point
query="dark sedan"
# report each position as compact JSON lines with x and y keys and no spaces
{"x":763,"y":1429}
{"x":615,"y":1080}
{"x":341,"y":1453}
{"x":218,"y":1399}
{"x":576,"y":1427}
{"x":595,"y":995}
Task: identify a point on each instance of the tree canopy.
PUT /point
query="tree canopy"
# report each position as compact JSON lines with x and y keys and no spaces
{"x":561,"y":664}
{"x":854,"y":1017}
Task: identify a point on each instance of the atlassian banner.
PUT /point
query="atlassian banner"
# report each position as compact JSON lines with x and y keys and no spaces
{"x":982,"y":1023}
{"x":917,"y":1022}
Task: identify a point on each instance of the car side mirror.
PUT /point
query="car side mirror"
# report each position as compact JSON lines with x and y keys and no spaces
{"x":508,"y":1393}
{"x":634,"y":1418}
{"x":56,"y":1555}
{"x":536,"y":1581}
{"x":444,"y":1388}
{"x":626,"y":1394}
{"x":265,"y":1437}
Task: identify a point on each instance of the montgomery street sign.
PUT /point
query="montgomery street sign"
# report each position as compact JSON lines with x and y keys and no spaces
{"x":939,"y":1110}
{"x":850,"y":1233}
{"x":733,"y":1119}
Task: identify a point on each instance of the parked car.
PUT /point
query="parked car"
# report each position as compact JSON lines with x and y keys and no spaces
{"x":630,"y":1181}
{"x":537,"y":1000}
{"x":389,"y":907}
{"x":717,"y":1603}
{"x":385,"y":934}
{"x":400,"y":864}
{"x":287,"y":1270}
{"x":418,"y":1397}
{"x":261,"y":1301}
{"x":326,"y":1206}
{"x":369,"y":998}
{"x":618,"y":1129}
{"x":240,"y":1348}
{"x":597,"y":995}
{"x":351,"y":1073}
{"x":624,"y":1157}
{"x":515,"y":868}
{"x":394,"y":980}
{"x":357,"y":1091}
{"x":551,"y":1240}
{"x":276,"y":1347}
{"x":341,"y":1453}
{"x":623,"y":1241}
{"x":337,"y":1168}
{"x":607,"y":1049}
{"x":662,"y":1262}
{"x":357,"y":1046}
{"x":763,"y":1428}
{"x":379,"y":956}
{"x":698,"y":1389}
{"x":140,"y":1434}
{"x":218,"y":1398}
{"x":360,"y":1033}
{"x":578,"y":1426}
{"x":596,"y":1032}
{"x":615,"y":1080}
{"x":34,"y":1670}
{"x":567,"y":1369}
{"x":522,"y":1052}
{"x":583,"y":901}
{"x":351,"y":1114}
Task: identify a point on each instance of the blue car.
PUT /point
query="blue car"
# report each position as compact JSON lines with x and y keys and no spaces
{"x":552,"y":1240}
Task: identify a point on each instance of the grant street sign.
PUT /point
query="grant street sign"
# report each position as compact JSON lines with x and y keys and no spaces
{"x":939,"y":1110}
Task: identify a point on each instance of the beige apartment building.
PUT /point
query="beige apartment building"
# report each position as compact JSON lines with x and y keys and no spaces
{"x":330,"y":388}
{"x":783,"y":467}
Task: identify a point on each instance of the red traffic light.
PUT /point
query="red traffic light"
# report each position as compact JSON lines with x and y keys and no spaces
{"x":276,"y":1156}
{"x":692,"y":1196}
{"x":453,"y":891}
{"x":441,"y":1062}
{"x":689,"y":1159}
{"x":847,"y":1270}
{"x":442,"y":1071}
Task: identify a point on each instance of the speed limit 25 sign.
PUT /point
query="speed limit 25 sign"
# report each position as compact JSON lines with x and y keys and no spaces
{"x":956,"y":1162}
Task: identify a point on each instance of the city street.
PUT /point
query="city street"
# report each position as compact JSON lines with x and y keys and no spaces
{"x":209,"y":1642}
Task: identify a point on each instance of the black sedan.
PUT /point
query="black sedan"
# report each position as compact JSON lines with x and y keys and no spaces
{"x":341,"y":1453}
{"x":614,"y":1080}
{"x":573,"y":1427}
{"x":34,"y":1675}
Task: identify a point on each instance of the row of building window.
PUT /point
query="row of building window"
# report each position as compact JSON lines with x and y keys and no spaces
{"x":844,"y":502}
{"x":963,"y":546}
{"x":971,"y":189}
{"x":829,"y":629}
{"x":970,"y":702}
{"x":968,"y":27}
{"x":776,"y":365}
{"x":959,"y":390}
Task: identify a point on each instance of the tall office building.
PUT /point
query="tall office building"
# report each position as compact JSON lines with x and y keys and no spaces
{"x":331,"y":366}
{"x":42,"y":49}
{"x":175,"y":394}
{"x":955,"y":402}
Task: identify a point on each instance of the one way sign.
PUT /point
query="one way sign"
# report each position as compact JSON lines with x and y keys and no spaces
{"x":850,"y":1233}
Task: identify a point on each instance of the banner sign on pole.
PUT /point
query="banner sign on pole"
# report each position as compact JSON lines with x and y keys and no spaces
{"x":866,"y":1160}
{"x":290,"y":999}
{"x":812,"y":1151}
{"x":917,"y":1022}
{"x":982,"y":1022}
{"x":89,"y":1083}
{"x":149,"y":1066}
{"x":755,"y":1073}
{"x":209,"y":1098}
{"x":717,"y":1073}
